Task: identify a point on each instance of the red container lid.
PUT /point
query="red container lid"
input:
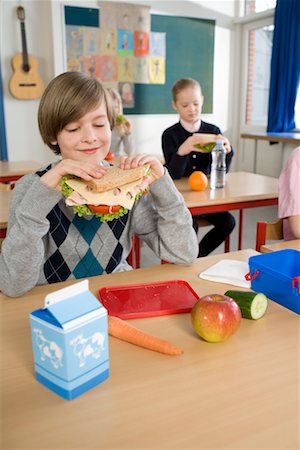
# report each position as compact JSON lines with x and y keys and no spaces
{"x":148,"y":299}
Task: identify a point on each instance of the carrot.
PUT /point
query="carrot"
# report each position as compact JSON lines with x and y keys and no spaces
{"x":127,"y":332}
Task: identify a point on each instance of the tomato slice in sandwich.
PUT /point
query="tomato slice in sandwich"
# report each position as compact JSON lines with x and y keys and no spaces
{"x":104,"y":209}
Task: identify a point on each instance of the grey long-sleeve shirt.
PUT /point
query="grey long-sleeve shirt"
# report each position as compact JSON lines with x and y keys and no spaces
{"x":46,"y":242}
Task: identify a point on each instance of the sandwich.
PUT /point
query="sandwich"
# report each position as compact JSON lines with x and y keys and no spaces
{"x":109,"y":197}
{"x":206,"y":148}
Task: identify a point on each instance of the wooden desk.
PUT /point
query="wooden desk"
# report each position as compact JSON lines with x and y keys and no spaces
{"x":295,"y":244}
{"x":240,"y":394}
{"x":5,"y":197}
{"x":242,"y":190}
{"x":12,"y":171}
{"x":284,"y":138}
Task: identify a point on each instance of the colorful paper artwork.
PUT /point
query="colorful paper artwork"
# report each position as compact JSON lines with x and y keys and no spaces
{"x":121,"y":52}
{"x":157,"y":71}
{"x":74,"y":41}
{"x":127,"y":94}
{"x":91,"y":66}
{"x":108,"y":14}
{"x":142,"y":19}
{"x":141,"y":70}
{"x":125,"y":43}
{"x":91,"y":41}
{"x":158,"y":44}
{"x":125,"y":68}
{"x":108,"y":68}
{"x":125,"y":16}
{"x":141,"y":43}
{"x":108,"y":41}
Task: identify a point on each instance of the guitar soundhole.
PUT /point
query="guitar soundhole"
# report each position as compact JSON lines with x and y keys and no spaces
{"x":26,"y":67}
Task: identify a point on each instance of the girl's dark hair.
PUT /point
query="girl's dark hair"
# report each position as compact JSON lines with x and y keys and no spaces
{"x":66,"y":99}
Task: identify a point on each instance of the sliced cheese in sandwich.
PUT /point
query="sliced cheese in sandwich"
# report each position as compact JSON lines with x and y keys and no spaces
{"x":123,"y":197}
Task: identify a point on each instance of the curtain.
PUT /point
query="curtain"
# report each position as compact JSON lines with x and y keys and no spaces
{"x":3,"y":148}
{"x":285,"y":66}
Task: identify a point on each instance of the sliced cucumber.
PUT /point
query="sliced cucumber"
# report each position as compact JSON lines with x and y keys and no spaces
{"x":253,"y":305}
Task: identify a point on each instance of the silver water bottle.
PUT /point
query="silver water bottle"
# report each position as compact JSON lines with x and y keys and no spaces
{"x":218,"y":167}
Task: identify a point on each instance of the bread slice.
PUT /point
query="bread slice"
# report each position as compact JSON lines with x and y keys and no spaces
{"x":116,"y":177}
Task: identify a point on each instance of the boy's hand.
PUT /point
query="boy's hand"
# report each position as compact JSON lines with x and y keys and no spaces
{"x":156,"y":168}
{"x":80,"y":169}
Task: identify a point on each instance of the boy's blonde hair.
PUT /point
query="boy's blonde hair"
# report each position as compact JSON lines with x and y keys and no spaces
{"x":67,"y":98}
{"x":184,"y":83}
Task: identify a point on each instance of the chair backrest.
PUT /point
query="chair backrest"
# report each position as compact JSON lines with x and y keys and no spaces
{"x":268,"y":232}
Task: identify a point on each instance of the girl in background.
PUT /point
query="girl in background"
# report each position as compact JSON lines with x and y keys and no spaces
{"x":121,"y":138}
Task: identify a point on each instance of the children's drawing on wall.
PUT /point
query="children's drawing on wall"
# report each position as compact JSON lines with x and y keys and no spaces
{"x":74,"y":41}
{"x":108,"y":68}
{"x":75,"y":65}
{"x":125,"y":16}
{"x":141,"y":43}
{"x":108,"y":40}
{"x":91,"y":41}
{"x":108,"y":14}
{"x":158,"y":44}
{"x":141,"y":70}
{"x":92,"y":66}
{"x":141,"y":18}
{"x":127,"y":94}
{"x":125,"y":42}
{"x":125,"y":68}
{"x":157,"y":72}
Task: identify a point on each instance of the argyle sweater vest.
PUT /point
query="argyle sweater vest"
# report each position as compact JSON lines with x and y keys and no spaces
{"x":79,"y":247}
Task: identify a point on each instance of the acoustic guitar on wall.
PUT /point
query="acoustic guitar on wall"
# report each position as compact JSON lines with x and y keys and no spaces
{"x":25,"y":83}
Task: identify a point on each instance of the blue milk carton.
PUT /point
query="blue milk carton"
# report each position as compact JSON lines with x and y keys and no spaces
{"x":70,"y":341}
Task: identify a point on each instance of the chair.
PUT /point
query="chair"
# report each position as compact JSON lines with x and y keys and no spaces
{"x":268,"y":232}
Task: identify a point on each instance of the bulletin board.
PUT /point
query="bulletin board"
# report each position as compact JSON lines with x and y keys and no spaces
{"x":189,"y":53}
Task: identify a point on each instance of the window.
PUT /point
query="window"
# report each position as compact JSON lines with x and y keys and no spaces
{"x":256,"y":6}
{"x":258,"y":74}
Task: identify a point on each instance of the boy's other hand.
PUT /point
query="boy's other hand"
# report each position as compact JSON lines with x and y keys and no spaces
{"x":156,"y":168}
{"x":80,"y":169}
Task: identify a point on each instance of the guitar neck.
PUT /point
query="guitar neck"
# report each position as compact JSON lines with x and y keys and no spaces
{"x":26,"y":66}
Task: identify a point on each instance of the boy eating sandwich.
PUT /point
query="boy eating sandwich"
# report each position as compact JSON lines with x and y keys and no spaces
{"x":47,"y":241}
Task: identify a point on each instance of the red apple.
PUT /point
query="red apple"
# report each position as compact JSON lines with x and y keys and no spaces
{"x":216,"y":317}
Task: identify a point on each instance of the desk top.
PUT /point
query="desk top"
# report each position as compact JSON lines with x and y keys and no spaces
{"x":293,"y":138}
{"x":295,"y":244}
{"x":18,"y":168}
{"x":5,"y":197}
{"x":238,"y":394}
{"x":240,"y":187}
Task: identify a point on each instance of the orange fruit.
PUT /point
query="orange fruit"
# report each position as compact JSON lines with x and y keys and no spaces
{"x":198,"y":181}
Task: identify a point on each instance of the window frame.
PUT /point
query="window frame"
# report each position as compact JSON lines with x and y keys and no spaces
{"x":248,"y":25}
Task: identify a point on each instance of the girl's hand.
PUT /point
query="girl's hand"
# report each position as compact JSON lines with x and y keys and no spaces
{"x":127,"y":128}
{"x":197,"y":138}
{"x":80,"y":169}
{"x":156,"y":168}
{"x":226,"y":142}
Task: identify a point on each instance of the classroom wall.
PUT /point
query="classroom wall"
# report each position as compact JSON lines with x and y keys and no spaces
{"x":44,"y":30}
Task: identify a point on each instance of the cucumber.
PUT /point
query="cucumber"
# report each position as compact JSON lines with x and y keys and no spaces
{"x":253,"y":305}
